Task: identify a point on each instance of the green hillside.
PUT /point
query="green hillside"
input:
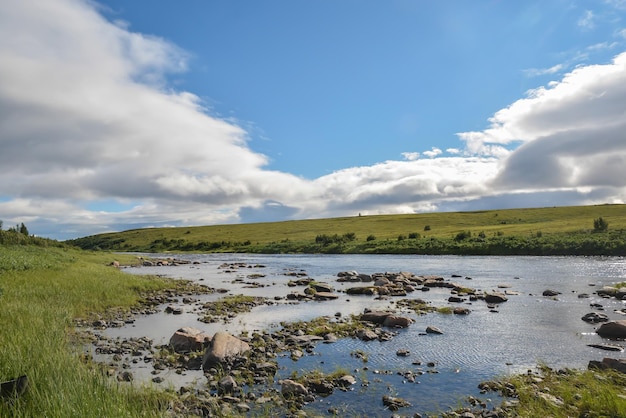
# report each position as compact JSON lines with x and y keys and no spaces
{"x":555,"y":230}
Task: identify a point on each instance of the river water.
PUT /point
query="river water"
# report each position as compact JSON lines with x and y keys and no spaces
{"x":527,"y":330}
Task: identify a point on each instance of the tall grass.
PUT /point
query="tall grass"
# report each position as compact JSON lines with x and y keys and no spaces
{"x":43,"y":290}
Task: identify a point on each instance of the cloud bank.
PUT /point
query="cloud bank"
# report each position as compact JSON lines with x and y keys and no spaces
{"x":93,"y":138}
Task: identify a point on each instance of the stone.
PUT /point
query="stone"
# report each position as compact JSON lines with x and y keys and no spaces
{"x":227,"y":385}
{"x":550,"y":293}
{"x":495,"y":297}
{"x":461,"y":311}
{"x":325,"y":296}
{"x":433,"y":330}
{"x":609,"y":363}
{"x":393,"y":321}
{"x":366,"y":334}
{"x":612,"y":329}
{"x":188,"y":339}
{"x":345,"y":381}
{"x":394,"y":403}
{"x":376,"y":317}
{"x":289,"y":387}
{"x":222,"y":349}
{"x":595,"y":317}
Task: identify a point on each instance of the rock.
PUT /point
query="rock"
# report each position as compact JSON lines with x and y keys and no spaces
{"x":393,"y":321}
{"x":188,"y":339}
{"x":14,"y":388}
{"x":321,"y":387}
{"x":227,"y":385}
{"x":607,"y":291}
{"x":550,"y":293}
{"x":608,"y":347}
{"x":322,"y":287}
{"x":403,"y":352}
{"x":376,"y":317}
{"x":223,"y":348}
{"x":325,"y":296}
{"x":461,"y":311}
{"x":495,"y":297}
{"x":595,"y":317}
{"x":345,"y":381}
{"x":433,"y":330}
{"x":609,"y":363}
{"x":366,"y":335}
{"x":612,"y":329}
{"x":394,"y":403}
{"x":290,"y":388}
{"x":455,"y":299}
{"x":364,"y":290}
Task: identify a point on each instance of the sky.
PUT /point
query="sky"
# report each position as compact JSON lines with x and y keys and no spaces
{"x":117,"y":115}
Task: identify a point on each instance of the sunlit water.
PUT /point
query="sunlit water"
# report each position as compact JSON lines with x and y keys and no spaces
{"x":527,"y":330}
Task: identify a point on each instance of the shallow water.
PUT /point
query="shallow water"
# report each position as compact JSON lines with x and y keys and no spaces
{"x":527,"y":329}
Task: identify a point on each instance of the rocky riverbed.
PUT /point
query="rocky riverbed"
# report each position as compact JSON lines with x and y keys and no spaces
{"x":253,"y":372}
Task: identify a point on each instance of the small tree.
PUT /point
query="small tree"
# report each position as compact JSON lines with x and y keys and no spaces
{"x":600,"y":225}
{"x":23,"y":229}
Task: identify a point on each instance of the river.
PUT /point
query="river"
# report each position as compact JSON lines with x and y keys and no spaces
{"x":527,"y":330}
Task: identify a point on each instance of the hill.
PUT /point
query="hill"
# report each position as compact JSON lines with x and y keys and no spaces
{"x":540,"y":231}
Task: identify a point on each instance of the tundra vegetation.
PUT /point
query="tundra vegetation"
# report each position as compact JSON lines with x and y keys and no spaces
{"x":574,"y":230}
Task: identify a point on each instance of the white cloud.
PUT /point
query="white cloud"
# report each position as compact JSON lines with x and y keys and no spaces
{"x":434,"y":151}
{"x":411,"y":156}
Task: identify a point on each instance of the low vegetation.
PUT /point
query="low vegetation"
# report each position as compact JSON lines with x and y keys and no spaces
{"x":42,"y":290}
{"x":576,"y":230}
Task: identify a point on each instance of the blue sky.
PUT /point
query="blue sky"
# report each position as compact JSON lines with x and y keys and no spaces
{"x":118,"y":115}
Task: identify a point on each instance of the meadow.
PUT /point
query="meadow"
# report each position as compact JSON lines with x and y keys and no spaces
{"x":538,"y":231}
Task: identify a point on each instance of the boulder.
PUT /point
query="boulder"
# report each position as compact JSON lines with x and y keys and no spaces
{"x":289,"y":387}
{"x":362,"y":290}
{"x":376,"y":317}
{"x":612,"y":329}
{"x":321,"y":287}
{"x":461,"y":311}
{"x":222,"y":349}
{"x":609,"y":363}
{"x":366,"y":335}
{"x":394,"y":321}
{"x":495,"y":297}
{"x":325,"y":296}
{"x":188,"y":339}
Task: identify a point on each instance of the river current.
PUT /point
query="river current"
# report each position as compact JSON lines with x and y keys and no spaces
{"x":527,"y":330}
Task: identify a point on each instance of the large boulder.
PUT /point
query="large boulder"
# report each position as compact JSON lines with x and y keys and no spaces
{"x":222,"y":349}
{"x":188,"y":339}
{"x":612,"y":329}
{"x":609,"y":363}
{"x":394,"y":321}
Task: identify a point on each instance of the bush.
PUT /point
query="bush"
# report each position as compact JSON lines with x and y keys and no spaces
{"x":401,"y":237}
{"x":600,"y":225}
{"x":462,"y":235}
{"x":370,"y":238}
{"x":427,"y":228}
{"x":414,"y":235}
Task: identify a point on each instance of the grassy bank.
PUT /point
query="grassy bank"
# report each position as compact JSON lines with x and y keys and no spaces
{"x":542,"y":231}
{"x":41,"y":291}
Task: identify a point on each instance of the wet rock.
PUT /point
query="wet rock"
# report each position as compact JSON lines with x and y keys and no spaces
{"x":607,"y":291}
{"x":188,"y":339}
{"x":403,"y":352}
{"x":495,"y":297}
{"x":363,"y":290}
{"x":607,"y":347}
{"x":550,"y":293}
{"x":321,"y":387}
{"x":322,"y":287}
{"x":394,"y":403}
{"x":461,"y":311}
{"x":595,"y":317}
{"x":345,"y":381}
{"x":612,"y":329}
{"x":222,"y":349}
{"x":433,"y":330}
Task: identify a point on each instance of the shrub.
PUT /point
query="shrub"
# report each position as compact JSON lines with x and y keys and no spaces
{"x":600,"y":225}
{"x":414,"y":235}
{"x":370,"y":238}
{"x":401,"y":237}
{"x":462,"y":235}
{"x":427,"y":228}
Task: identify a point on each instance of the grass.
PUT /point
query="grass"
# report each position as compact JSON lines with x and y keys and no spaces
{"x":569,"y":393}
{"x":43,"y":291}
{"x":354,"y":234}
